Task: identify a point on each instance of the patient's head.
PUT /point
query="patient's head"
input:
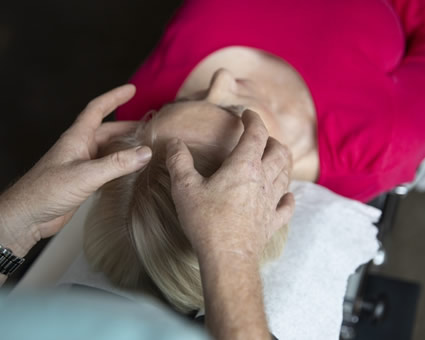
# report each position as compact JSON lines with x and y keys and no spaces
{"x":132,"y":233}
{"x":211,"y":116}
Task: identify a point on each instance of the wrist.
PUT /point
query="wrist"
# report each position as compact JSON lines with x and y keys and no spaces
{"x":228,"y":279}
{"x":218,"y":260}
{"x":224,"y":246}
{"x":16,"y":232}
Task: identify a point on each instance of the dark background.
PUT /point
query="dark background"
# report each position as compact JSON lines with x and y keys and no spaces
{"x":55,"y":56}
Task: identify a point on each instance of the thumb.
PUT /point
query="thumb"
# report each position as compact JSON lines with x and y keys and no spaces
{"x":117,"y":164}
{"x":180,"y":164}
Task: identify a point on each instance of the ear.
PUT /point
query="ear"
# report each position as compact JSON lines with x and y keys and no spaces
{"x":140,"y":131}
{"x":148,"y":116}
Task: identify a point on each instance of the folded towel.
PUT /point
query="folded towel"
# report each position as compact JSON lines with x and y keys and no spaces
{"x":329,"y":237}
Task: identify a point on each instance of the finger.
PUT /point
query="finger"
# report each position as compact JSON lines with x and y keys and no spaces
{"x":100,"y":171}
{"x":285,"y":209}
{"x":253,"y":140}
{"x":280,"y":185}
{"x":276,"y":157}
{"x":180,"y":165}
{"x":110,"y":130}
{"x":100,"y":107}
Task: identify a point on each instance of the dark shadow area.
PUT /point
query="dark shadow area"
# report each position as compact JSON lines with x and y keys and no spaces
{"x":54,"y":57}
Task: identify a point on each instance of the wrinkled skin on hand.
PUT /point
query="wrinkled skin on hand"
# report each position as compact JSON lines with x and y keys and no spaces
{"x":44,"y":199}
{"x":240,"y":207}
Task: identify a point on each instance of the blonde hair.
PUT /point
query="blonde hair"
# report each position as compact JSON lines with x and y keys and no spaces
{"x":133,"y":235}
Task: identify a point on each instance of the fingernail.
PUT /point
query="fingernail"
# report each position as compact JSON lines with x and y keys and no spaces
{"x":143,"y":153}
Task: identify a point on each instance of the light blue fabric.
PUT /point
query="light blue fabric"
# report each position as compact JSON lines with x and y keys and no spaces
{"x":44,"y":316}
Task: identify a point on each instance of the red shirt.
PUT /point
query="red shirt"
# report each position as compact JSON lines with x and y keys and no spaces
{"x":363,"y":61}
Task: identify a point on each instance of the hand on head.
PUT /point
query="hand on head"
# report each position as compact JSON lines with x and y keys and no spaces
{"x":43,"y":200}
{"x":237,"y":209}
{"x":243,"y":203}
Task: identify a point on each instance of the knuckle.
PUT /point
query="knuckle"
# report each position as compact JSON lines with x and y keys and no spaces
{"x":284,"y":155}
{"x":179,"y":176}
{"x":95,"y":105}
{"x":281,"y":184}
{"x":176,"y":159}
{"x":250,"y":169}
{"x":260,"y":133}
{"x":283,"y":150}
{"x":67,"y":137}
{"x":183,"y":181}
{"x":285,"y":184}
{"x":284,"y":176}
{"x":119,"y":160}
{"x":247,"y":165}
{"x":91,"y":105}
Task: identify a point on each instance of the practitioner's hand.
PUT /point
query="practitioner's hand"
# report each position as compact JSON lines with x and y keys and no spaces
{"x":44,"y":199}
{"x":243,"y":203}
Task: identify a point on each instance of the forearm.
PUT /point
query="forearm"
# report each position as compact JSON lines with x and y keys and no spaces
{"x":233,"y":297}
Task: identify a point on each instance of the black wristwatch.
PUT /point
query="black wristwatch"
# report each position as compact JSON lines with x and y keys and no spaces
{"x":9,"y":262}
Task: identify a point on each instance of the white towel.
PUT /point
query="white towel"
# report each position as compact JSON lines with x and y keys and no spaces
{"x":329,"y":237}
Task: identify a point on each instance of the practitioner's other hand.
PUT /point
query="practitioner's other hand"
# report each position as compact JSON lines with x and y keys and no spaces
{"x":239,"y":207}
{"x":45,"y":198}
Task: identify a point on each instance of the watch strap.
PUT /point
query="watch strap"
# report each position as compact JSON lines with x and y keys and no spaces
{"x":9,"y":262}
